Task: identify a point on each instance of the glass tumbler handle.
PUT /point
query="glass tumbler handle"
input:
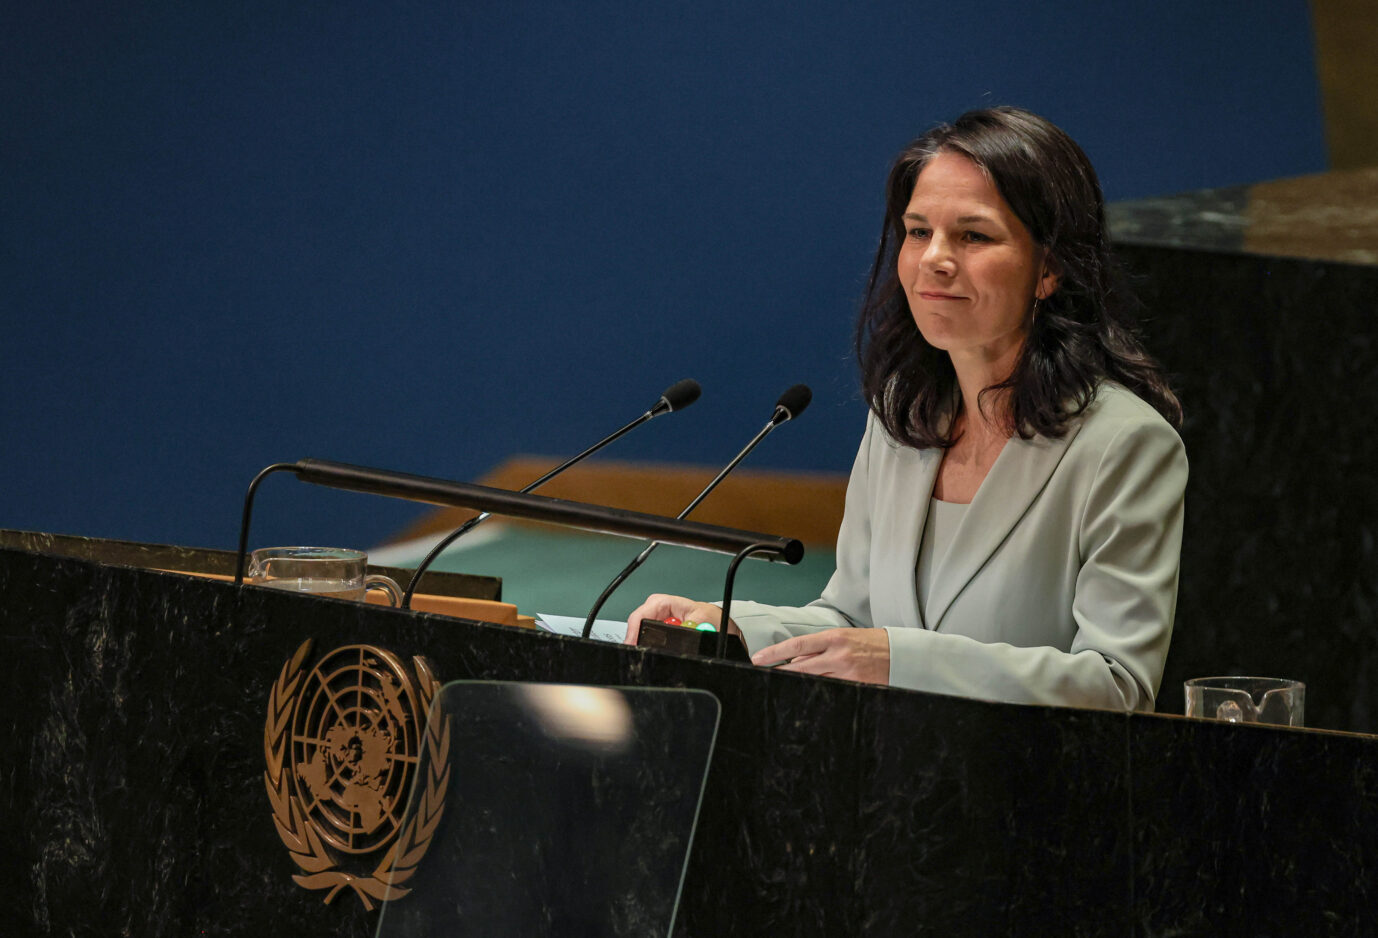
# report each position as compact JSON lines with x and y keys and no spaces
{"x":376,"y":581}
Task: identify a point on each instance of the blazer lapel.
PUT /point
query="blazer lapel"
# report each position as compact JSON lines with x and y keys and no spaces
{"x":1019,"y":474}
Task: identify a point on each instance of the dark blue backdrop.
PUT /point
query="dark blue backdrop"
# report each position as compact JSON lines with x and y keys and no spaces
{"x":427,"y":235}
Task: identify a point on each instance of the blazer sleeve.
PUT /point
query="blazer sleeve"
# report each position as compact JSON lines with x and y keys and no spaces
{"x":1129,"y":539}
{"x":846,"y":600}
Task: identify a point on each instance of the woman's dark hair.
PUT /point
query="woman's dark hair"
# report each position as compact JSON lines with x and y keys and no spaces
{"x":1080,"y":336}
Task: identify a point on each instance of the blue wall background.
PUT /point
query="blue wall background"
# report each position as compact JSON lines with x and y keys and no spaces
{"x":428,"y":235}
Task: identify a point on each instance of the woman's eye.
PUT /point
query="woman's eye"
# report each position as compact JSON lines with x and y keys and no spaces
{"x":977,"y":236}
{"x":918,"y":232}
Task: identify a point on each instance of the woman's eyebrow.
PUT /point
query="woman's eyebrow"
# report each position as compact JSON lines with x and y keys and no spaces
{"x":963,"y":220}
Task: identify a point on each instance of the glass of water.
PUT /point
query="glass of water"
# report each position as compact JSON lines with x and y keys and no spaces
{"x":1273,"y":700}
{"x":325,"y":571}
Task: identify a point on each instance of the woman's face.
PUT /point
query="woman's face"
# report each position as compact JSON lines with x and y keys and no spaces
{"x":968,"y":266}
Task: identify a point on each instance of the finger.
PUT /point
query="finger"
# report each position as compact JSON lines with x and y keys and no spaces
{"x":771,"y":655}
{"x":653,"y":608}
{"x":782,"y":651}
{"x":664,"y":606}
{"x":703,"y":612}
{"x":805,"y":664}
{"x":708,"y":612}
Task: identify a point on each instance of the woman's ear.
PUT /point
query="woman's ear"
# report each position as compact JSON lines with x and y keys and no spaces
{"x":1049,"y":279}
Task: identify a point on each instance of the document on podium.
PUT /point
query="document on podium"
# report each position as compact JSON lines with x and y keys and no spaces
{"x":604,"y":630}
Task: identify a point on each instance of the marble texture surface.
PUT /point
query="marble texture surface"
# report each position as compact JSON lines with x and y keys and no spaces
{"x":1273,"y":359}
{"x":1327,"y":216}
{"x":1240,"y":830}
{"x":223,"y":562}
{"x":134,"y":801}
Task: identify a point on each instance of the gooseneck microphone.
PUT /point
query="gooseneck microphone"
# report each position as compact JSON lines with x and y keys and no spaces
{"x":676,"y":397}
{"x":790,"y":405}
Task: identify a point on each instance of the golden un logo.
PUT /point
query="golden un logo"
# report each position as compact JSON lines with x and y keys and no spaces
{"x":343,"y":743}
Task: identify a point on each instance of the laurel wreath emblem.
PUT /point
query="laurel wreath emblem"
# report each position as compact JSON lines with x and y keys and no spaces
{"x":319,"y":867}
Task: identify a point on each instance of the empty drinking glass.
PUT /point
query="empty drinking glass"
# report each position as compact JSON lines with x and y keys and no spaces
{"x":1247,"y":700}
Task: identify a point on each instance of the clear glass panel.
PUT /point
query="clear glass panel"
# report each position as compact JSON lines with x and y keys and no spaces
{"x":551,"y":809}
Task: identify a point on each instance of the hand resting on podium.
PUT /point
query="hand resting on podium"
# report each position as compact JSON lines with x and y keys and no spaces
{"x":852,"y":654}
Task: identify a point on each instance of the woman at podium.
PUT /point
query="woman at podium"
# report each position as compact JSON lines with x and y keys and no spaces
{"x":1013,"y":519}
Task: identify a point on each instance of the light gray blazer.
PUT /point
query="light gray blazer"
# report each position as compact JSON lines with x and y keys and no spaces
{"x":1060,"y":583}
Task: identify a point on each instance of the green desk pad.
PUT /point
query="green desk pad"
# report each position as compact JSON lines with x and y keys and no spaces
{"x":561,"y":571}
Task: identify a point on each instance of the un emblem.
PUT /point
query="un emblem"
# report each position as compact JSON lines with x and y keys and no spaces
{"x":343,"y":743}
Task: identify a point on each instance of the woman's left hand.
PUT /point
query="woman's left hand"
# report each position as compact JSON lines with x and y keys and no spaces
{"x":851,"y":654}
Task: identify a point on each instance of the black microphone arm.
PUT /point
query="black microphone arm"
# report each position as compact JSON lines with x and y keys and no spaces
{"x":676,"y":397}
{"x":449,"y":494}
{"x":790,"y":405}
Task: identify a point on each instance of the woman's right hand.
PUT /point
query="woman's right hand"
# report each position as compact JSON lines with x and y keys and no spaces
{"x":662,"y":606}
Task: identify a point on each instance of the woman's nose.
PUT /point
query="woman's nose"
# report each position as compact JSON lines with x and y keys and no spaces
{"x":938,"y":255}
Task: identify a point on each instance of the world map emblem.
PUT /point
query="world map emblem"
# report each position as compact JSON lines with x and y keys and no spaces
{"x":344,"y":742}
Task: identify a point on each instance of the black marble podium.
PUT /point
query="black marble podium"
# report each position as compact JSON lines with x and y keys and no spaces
{"x":1261,"y":302}
{"x":132,"y":797}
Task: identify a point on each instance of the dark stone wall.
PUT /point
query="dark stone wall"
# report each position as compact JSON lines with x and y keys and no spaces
{"x":1274,"y":361}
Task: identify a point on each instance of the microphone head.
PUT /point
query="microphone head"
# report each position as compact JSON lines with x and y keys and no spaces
{"x":792,"y":403}
{"x":678,"y":396}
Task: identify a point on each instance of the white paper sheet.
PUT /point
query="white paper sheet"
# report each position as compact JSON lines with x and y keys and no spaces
{"x":604,"y":630}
